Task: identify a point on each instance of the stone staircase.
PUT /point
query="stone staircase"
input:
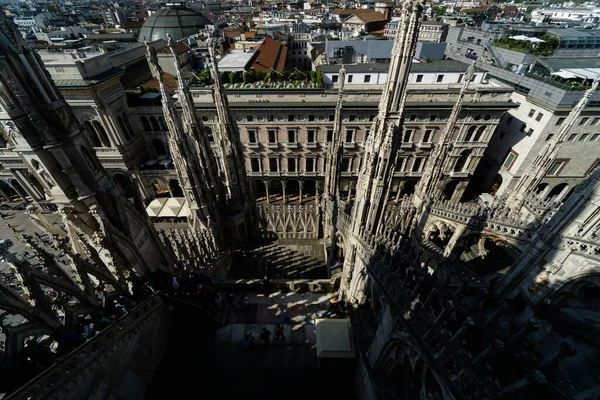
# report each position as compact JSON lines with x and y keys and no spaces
{"x":281,"y":259}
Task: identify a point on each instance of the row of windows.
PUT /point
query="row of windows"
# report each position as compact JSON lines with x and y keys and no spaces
{"x":292,"y":135}
{"x":356,"y":118}
{"x":582,"y":122}
{"x":473,"y":134}
{"x":404,"y":164}
{"x":292,"y":164}
{"x":311,"y":118}
{"x":555,"y":169}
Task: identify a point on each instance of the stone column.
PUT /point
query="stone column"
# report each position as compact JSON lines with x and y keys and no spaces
{"x":285,"y":199}
{"x":454,"y":240}
{"x":267,"y":192}
{"x":458,"y":191}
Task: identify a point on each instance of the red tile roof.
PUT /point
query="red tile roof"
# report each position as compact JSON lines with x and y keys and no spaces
{"x":270,"y":55}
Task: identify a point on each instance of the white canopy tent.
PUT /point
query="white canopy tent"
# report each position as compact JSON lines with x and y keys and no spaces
{"x":334,"y":339}
{"x":581,"y":73}
{"x":155,"y":206}
{"x":527,"y":39}
{"x":168,"y":208}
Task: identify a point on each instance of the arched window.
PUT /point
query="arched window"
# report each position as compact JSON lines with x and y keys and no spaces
{"x":175,"y":188}
{"x":99,"y":129}
{"x":89,"y":159}
{"x":145,"y":124}
{"x":162,"y":123}
{"x":127,"y":125}
{"x":154,"y":124}
{"x":478,"y":134}
{"x":462,"y":161}
{"x":470,"y":133}
{"x":89,"y":129}
{"x":260,"y":190}
{"x":37,"y":185}
{"x":122,"y":126}
{"x":292,"y":191}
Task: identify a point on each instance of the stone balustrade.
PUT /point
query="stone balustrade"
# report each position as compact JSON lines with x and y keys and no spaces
{"x":102,"y":367}
{"x":499,"y":220}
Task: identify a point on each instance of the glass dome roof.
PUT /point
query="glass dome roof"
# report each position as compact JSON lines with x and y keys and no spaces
{"x":179,"y":22}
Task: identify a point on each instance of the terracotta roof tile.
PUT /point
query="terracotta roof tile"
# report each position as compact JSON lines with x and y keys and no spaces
{"x":270,"y":55}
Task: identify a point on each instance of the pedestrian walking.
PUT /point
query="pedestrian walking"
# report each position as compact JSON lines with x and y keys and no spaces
{"x":247,"y":341}
{"x":279,"y":333}
{"x":265,"y":336}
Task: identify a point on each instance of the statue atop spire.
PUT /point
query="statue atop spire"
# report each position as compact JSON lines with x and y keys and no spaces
{"x":184,"y":150}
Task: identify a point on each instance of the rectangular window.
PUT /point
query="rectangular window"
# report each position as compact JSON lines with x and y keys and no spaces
{"x":413,"y":117}
{"x":433,"y":117}
{"x":273,"y":165}
{"x":509,"y":120}
{"x":250,"y":118}
{"x":272,"y":135}
{"x":310,"y":136}
{"x":583,"y":121}
{"x":560,"y":121}
{"x":440,"y":78}
{"x":255,"y":165}
{"x":583,"y":137}
{"x":539,"y":116}
{"x":290,"y":118}
{"x":595,"y":121}
{"x":371,"y":117}
{"x":531,"y":112}
{"x":417,"y":165}
{"x":350,"y":77}
{"x":529,"y":132}
{"x":252,"y":135}
{"x":291,"y":136}
{"x":330,"y":135}
{"x":556,"y":168}
{"x":460,"y":78}
{"x":419,"y":78}
{"x":310,"y":165}
{"x":595,"y":137}
{"x":345,"y":164}
{"x":572,"y":137}
{"x":331,"y":117}
{"x":311,"y":118}
{"x":291,"y":164}
{"x":349,"y":135}
{"x":352,"y":118}
{"x":367,"y":131}
{"x":522,"y":128}
{"x":550,"y":136}
{"x":510,"y":159}
{"x":271,"y":118}
{"x":367,"y":78}
{"x":407,"y":135}
{"x":427,"y":135}
{"x":334,"y":78}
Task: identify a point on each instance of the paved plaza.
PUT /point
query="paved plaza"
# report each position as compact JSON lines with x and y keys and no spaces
{"x":211,"y":363}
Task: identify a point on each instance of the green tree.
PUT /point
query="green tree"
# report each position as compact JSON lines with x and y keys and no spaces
{"x":246,"y":78}
{"x":232,"y":77}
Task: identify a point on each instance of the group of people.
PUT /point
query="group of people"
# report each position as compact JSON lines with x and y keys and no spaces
{"x":265,"y":337}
